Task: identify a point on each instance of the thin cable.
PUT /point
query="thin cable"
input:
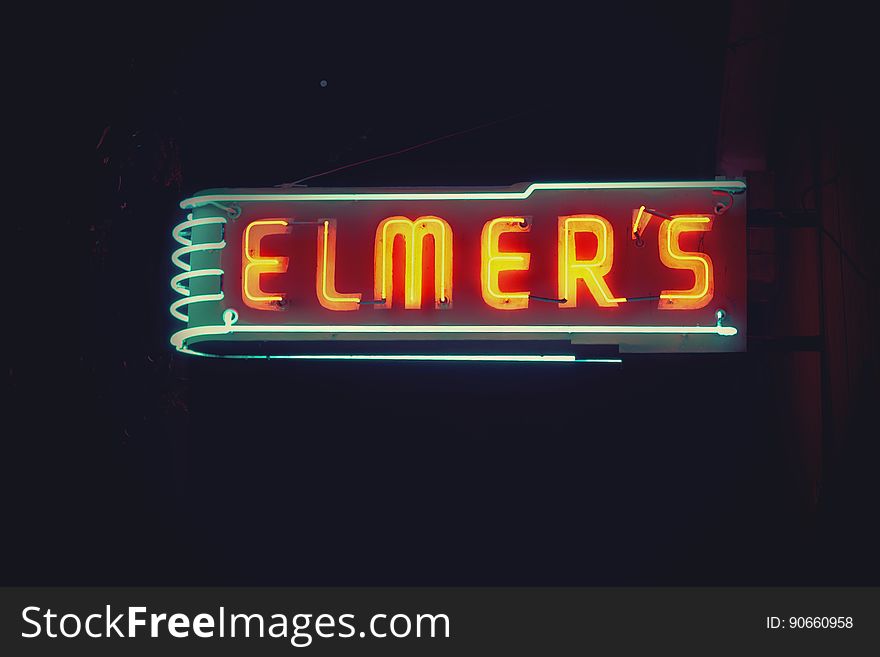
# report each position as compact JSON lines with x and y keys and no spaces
{"x":840,"y":252}
{"x":848,"y":257}
{"x":404,"y":150}
{"x":546,"y":299}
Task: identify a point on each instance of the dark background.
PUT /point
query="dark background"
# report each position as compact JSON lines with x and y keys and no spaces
{"x":128,"y":464}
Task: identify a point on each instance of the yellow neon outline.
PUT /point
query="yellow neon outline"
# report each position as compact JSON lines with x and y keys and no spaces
{"x":604,"y":223}
{"x":636,"y":232}
{"x":349,"y":299}
{"x":388,"y":249}
{"x":701,"y":219}
{"x":516,"y":258}
{"x":260,"y":262}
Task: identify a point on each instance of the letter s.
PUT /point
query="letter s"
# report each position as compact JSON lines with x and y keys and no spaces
{"x":344,"y":623}
{"x":672,"y":255}
{"x":24,"y":616}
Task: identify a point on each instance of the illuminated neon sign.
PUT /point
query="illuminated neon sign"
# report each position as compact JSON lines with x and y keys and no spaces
{"x":651,"y":266}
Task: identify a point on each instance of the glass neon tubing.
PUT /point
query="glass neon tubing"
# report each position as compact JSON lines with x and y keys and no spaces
{"x":183,"y":276}
{"x":188,"y":272}
{"x":179,"y":338}
{"x":491,"y":358}
{"x":197,"y":201}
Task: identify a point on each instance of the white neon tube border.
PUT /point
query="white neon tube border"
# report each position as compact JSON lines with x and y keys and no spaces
{"x":176,"y":281}
{"x":482,"y":358}
{"x":188,"y":272}
{"x":179,"y":339}
{"x":198,"y":201}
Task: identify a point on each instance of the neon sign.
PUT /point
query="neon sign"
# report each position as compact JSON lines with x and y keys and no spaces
{"x":653,"y":266}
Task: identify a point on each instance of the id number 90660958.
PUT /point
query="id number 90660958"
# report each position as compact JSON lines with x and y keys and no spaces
{"x":810,"y":623}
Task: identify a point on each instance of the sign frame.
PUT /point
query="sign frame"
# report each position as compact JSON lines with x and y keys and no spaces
{"x":201,"y":303}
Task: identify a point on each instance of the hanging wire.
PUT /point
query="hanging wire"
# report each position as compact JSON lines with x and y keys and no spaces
{"x":721,"y":208}
{"x":234,"y":210}
{"x":405,"y":150}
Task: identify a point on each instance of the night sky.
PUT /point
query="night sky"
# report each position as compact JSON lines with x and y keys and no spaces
{"x":138,"y":466}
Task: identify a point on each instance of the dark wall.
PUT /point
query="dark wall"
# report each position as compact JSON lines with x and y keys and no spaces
{"x":796,"y":122}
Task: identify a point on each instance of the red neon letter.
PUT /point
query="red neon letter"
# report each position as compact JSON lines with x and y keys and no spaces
{"x":592,"y":271}
{"x":496,"y":261}
{"x":254,"y":265}
{"x":325,"y":280}
{"x":414,"y":233}
{"x":673,"y":257}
